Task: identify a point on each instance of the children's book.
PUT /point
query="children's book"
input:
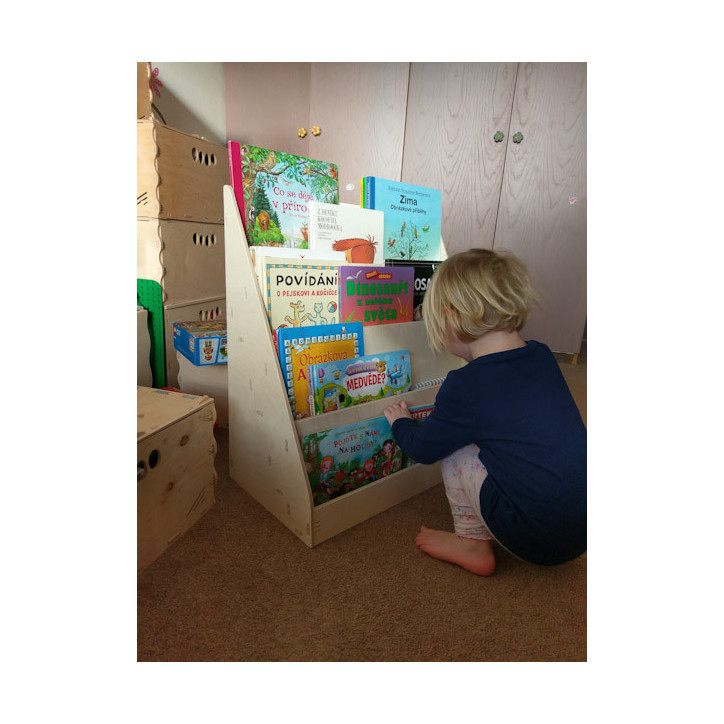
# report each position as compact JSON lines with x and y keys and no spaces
{"x":356,"y":231}
{"x":276,"y":188}
{"x":348,"y":457}
{"x":423,"y":274}
{"x":237,"y":182}
{"x":299,"y":347}
{"x":261,"y":254}
{"x":376,"y":294}
{"x":413,"y":217}
{"x":301,"y":292}
{"x":336,"y":385}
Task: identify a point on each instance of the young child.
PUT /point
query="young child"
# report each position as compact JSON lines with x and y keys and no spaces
{"x":510,"y":437}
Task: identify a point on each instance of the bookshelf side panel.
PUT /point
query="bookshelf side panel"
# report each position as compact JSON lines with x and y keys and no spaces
{"x":264,"y":451}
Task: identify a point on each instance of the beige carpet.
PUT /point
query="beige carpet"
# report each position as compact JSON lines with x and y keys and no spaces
{"x":240,"y":587}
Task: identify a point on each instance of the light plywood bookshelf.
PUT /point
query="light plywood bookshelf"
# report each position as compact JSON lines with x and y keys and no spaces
{"x":265,"y":451}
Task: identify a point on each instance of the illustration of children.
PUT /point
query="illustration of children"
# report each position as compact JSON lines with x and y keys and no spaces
{"x":369,"y":472}
{"x":326,"y":474}
{"x":388,"y":448}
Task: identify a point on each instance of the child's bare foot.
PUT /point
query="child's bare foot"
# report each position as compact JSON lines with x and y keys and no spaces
{"x":473,"y":555}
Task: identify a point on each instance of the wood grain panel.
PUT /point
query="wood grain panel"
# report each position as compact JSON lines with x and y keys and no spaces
{"x":543,"y":199}
{"x":454,"y":111}
{"x":360,"y":109}
{"x":266,"y":103}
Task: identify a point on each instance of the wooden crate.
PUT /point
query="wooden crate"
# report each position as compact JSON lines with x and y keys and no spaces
{"x":196,"y":310}
{"x":179,"y":176}
{"x":185,"y":257}
{"x":176,"y":474}
{"x":143,"y":91}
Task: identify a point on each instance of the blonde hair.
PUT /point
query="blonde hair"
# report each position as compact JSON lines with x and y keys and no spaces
{"x":476,"y":292}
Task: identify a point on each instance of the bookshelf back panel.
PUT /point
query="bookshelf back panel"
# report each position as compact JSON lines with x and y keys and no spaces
{"x":411,"y":336}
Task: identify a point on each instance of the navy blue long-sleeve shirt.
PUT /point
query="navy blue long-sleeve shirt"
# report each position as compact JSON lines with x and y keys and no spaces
{"x":517,"y":408}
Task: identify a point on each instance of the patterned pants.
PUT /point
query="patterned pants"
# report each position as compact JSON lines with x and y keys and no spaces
{"x":463,"y":475}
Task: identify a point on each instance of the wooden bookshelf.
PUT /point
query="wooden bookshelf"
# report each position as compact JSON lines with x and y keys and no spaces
{"x":265,"y":452}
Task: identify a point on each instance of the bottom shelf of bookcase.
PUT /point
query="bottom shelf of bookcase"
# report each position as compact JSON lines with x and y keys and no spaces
{"x":336,"y":516}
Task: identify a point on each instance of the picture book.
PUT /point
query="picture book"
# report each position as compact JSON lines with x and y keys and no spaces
{"x":376,"y":294}
{"x":423,"y":275}
{"x":237,"y":182}
{"x":418,"y":413}
{"x":350,"y":456}
{"x":299,"y":347}
{"x":276,"y":188}
{"x":301,"y":292}
{"x":336,"y":385}
{"x":346,"y":458}
{"x":345,"y":227}
{"x":413,"y":217}
{"x":261,"y":254}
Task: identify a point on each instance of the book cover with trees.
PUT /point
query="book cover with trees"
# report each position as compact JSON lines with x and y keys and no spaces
{"x":413,"y":217}
{"x":277,"y":188}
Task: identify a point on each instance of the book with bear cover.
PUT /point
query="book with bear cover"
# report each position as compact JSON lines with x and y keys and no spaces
{"x":348,"y":457}
{"x":413,"y":217}
{"x":299,"y":347}
{"x":376,"y":294}
{"x":273,"y":189}
{"x":345,"y":227}
{"x":336,"y":385}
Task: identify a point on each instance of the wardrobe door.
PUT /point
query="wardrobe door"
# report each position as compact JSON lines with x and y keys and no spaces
{"x":359,"y":109}
{"x":266,"y":104}
{"x":454,"y":112}
{"x":542,"y":214}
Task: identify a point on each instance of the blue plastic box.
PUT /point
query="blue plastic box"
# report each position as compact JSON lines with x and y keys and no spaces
{"x":203,"y":343}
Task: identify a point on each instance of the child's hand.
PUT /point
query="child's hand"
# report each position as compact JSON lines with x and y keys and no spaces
{"x":396,"y":411}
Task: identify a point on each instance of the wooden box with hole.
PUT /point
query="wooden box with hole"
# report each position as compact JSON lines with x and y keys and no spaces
{"x":185,"y":257}
{"x":179,"y":176}
{"x":176,"y":476}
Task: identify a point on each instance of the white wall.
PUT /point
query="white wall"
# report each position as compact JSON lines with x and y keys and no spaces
{"x":193,"y":98}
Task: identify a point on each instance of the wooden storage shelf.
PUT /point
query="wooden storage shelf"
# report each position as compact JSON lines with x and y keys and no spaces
{"x":265,"y":454}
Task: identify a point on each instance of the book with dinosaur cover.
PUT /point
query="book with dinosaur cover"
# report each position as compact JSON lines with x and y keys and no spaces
{"x":423,"y":274}
{"x":413,"y":217}
{"x":301,"y":292}
{"x":336,"y":385}
{"x":345,"y":227}
{"x":348,"y":457}
{"x":299,"y":347}
{"x":376,"y":294}
{"x":276,"y":188}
